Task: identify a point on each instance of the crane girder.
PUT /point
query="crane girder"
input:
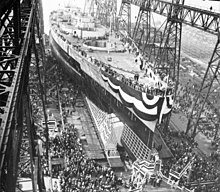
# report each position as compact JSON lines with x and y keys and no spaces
{"x":124,"y":21}
{"x":106,"y":8}
{"x":168,"y":54}
{"x":141,"y":33}
{"x":202,"y":19}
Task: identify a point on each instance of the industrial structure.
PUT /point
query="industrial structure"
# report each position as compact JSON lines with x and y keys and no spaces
{"x":21,"y":45}
{"x":22,"y":53}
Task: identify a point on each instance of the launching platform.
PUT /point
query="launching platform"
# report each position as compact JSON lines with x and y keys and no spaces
{"x":87,"y":134}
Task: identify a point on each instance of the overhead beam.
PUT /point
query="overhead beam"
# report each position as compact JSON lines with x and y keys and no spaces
{"x":199,"y":18}
{"x":124,"y":21}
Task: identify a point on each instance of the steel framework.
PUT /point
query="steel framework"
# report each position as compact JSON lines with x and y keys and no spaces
{"x":168,"y":56}
{"x":169,"y":50}
{"x":204,"y":98}
{"x":17,"y":133}
{"x":141,"y":33}
{"x":112,"y":6}
{"x":12,"y":77}
{"x":124,"y":21}
{"x":106,"y":12}
{"x":205,"y":20}
{"x":150,"y":48}
{"x":100,"y":15}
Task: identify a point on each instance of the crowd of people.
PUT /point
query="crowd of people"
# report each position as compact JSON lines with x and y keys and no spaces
{"x":135,"y":84}
{"x":186,"y":97}
{"x":187,"y":94}
{"x":94,"y":177}
{"x":184,"y":152}
{"x":79,"y":172}
{"x":83,"y":174}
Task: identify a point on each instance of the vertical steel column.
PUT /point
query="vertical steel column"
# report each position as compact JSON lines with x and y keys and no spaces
{"x":141,"y":33}
{"x":111,"y":7}
{"x":98,"y":10}
{"x":125,"y":17}
{"x":10,"y":28}
{"x":150,"y":48}
{"x":39,"y":35}
{"x":168,"y":54}
{"x":30,"y":137}
{"x":10,"y":176}
{"x":37,"y":91}
{"x":168,"y":57}
{"x":17,"y":132}
{"x":101,"y":14}
{"x":209,"y":84}
{"x":27,"y":145}
{"x":17,"y":140}
{"x":112,"y":12}
{"x":41,"y":18}
{"x":17,"y":26}
{"x":41,"y":94}
{"x":12,"y":83}
{"x":105,"y":11}
{"x":40,"y":58}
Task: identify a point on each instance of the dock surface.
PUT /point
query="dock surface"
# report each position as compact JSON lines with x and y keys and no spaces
{"x":86,"y":130}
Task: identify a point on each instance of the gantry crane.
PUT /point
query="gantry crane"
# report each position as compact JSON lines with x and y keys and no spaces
{"x":143,"y":22}
{"x":18,"y":141}
{"x":124,"y":20}
{"x":167,"y":52}
{"x":17,"y":43}
{"x":106,"y":12}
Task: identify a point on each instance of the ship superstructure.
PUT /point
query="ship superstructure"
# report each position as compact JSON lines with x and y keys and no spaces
{"x":22,"y":69}
{"x":111,"y":63}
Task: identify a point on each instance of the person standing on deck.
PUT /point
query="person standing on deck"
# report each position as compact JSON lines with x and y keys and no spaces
{"x":129,"y":49}
{"x":127,"y":46}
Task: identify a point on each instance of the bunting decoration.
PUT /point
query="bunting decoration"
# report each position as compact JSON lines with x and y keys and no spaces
{"x":147,"y":107}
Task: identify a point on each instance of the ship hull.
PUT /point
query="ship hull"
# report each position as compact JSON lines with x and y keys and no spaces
{"x":97,"y":89}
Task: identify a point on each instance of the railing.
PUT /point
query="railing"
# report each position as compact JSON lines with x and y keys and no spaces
{"x":167,"y":180}
{"x":66,"y":46}
{"x":95,"y":125}
{"x":204,"y":183}
{"x":135,"y":144}
{"x":174,"y":174}
{"x":98,"y":114}
{"x":188,"y":166}
{"x":101,"y":128}
{"x":183,"y":172}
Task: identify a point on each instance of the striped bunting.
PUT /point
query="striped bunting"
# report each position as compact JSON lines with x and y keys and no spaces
{"x":147,"y":107}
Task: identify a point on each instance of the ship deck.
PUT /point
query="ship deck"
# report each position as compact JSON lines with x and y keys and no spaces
{"x":125,"y":61}
{"x":122,"y":62}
